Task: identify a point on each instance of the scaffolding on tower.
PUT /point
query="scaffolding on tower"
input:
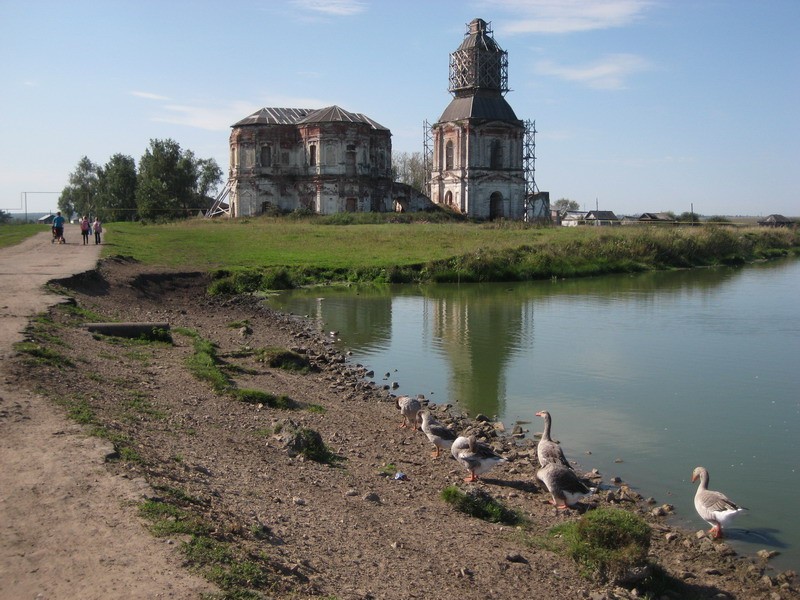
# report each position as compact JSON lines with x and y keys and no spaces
{"x":537,"y":204}
{"x":427,"y":154}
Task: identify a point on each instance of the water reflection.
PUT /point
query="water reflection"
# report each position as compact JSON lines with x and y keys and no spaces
{"x":479,"y":329}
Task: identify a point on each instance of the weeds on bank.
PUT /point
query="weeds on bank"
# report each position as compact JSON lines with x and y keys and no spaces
{"x":309,"y":444}
{"x":606,"y":543}
{"x":240,"y":575}
{"x":280,"y":358}
{"x":203,"y":363}
{"x":44,"y":355}
{"x":251,"y":396}
{"x":481,"y":505}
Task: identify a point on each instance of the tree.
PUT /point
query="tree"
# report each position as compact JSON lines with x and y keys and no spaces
{"x":173,"y":183}
{"x":209,"y":177}
{"x":117,"y":197}
{"x":565,"y":204}
{"x":688,"y":217}
{"x":80,"y":195}
{"x":409,"y":168}
{"x":5,"y":217}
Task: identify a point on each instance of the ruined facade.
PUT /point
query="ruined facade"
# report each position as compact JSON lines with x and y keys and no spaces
{"x":326,"y":161}
{"x":477,"y":166}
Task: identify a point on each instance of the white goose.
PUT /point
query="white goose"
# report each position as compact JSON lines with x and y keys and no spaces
{"x":547,"y":450}
{"x":474,"y":456}
{"x":409,"y":407}
{"x":563,"y":485}
{"x":714,"y":507}
{"x":440,"y":436}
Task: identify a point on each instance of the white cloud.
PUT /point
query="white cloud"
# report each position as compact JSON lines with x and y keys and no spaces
{"x":607,"y":73}
{"x":566,"y":16}
{"x":148,"y":95}
{"x":205,"y":117}
{"x":340,"y":8}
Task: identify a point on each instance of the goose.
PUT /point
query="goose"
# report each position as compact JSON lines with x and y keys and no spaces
{"x":563,"y":485}
{"x":409,"y":407}
{"x":547,"y":450}
{"x":440,"y":436}
{"x":474,"y":456}
{"x":714,"y":507}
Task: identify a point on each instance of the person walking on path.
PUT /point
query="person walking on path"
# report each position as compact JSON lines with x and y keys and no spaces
{"x":58,"y":228}
{"x":85,"y":228}
{"x":98,"y":229}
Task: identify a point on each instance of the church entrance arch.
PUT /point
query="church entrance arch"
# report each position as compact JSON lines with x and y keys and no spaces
{"x":496,"y":205}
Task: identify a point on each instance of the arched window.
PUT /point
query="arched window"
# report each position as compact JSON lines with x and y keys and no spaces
{"x":448,"y":155}
{"x":330,"y":155}
{"x":312,"y":155}
{"x":496,"y":205}
{"x":448,"y":198}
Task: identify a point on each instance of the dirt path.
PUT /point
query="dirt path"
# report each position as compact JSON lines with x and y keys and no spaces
{"x":68,"y":528}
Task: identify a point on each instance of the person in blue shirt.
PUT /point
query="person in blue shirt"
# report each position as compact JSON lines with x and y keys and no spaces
{"x":58,"y":228}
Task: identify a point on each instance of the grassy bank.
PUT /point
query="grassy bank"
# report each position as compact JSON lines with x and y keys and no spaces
{"x":279,"y":253}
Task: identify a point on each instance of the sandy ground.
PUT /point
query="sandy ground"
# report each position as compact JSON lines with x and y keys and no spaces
{"x":68,"y":528}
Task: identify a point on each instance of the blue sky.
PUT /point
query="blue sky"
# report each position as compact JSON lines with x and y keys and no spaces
{"x":640,"y":105}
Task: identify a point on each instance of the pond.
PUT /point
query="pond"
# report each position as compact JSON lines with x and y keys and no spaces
{"x":646,"y":376}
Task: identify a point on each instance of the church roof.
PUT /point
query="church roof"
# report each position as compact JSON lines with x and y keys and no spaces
{"x":481,"y":105}
{"x":275,"y":116}
{"x":295,"y":116}
{"x":335,"y":113}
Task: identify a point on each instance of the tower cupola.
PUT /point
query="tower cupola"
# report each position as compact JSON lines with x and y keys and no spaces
{"x":479,"y":63}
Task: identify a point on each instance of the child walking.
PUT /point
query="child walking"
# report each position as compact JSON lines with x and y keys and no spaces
{"x":98,"y":229}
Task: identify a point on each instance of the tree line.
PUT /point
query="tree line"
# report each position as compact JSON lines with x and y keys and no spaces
{"x":169,"y":183}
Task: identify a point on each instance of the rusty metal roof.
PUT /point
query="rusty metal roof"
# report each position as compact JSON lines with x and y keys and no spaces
{"x":336,"y":114}
{"x":275,"y":116}
{"x":489,"y":106}
{"x":295,"y":116}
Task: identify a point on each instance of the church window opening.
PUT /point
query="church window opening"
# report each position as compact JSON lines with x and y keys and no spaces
{"x":448,"y":155}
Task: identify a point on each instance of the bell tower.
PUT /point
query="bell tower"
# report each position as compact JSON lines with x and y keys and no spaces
{"x":478,"y":141}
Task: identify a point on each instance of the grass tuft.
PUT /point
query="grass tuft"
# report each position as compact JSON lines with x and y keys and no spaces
{"x":481,"y":505}
{"x":607,"y":543}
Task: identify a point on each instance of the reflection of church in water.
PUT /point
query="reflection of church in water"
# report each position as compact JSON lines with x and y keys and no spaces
{"x":479,"y":334}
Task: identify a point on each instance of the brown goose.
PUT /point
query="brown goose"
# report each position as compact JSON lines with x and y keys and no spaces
{"x":474,"y":456}
{"x":563,"y":485}
{"x":408,"y":407}
{"x":547,"y":450}
{"x":714,"y":507}
{"x":440,"y":436}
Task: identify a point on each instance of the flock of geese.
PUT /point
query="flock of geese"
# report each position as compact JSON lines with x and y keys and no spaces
{"x":555,"y":471}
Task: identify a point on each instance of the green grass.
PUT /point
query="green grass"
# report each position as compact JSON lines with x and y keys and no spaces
{"x":204,"y":364}
{"x":604,"y":543}
{"x":278,"y":253}
{"x":481,"y":505}
{"x":14,"y":233}
{"x":38,"y":353}
{"x":251,"y":396}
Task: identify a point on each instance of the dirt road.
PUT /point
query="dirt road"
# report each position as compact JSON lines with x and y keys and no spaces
{"x":68,"y":529}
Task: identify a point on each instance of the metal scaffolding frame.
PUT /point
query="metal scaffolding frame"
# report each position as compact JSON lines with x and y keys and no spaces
{"x":529,"y":166}
{"x":427,"y":154}
{"x":482,"y":65}
{"x":219,"y":207}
